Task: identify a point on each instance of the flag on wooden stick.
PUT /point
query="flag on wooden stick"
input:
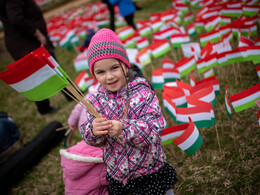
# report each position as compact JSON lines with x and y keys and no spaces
{"x":227,"y":103}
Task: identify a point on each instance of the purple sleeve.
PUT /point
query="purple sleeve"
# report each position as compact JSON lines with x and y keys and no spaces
{"x":75,"y":115}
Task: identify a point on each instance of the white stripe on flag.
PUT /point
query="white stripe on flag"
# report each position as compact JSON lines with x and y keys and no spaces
{"x":246,"y":99}
{"x":34,"y":79}
{"x":190,"y":140}
{"x":172,"y":135}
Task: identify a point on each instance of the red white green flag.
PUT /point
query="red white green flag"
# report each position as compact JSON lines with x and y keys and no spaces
{"x":81,"y":62}
{"x":250,"y":10}
{"x":171,"y":74}
{"x":243,"y":42}
{"x":186,"y":137}
{"x":143,"y":57}
{"x":185,"y":65}
{"x":160,"y":47}
{"x":142,"y":43}
{"x":208,"y":73}
{"x":178,"y":39}
{"x":80,"y":80}
{"x":188,"y":18}
{"x":167,"y":63}
{"x":188,"y":140}
{"x":246,"y":98}
{"x":191,"y":30}
{"x":156,"y":24}
{"x":66,"y":38}
{"x":125,"y":32}
{"x":227,"y":104}
{"x":145,"y":31}
{"x":33,"y":78}
{"x":211,"y":23}
{"x":157,"y":78}
{"x":213,"y":37}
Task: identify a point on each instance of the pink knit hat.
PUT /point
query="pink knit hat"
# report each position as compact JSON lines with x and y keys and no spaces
{"x":106,"y":44}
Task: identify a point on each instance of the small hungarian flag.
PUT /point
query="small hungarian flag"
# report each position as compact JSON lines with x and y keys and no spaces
{"x":171,"y":74}
{"x":250,"y":10}
{"x":208,"y":73}
{"x":156,"y":24}
{"x":157,"y":78}
{"x":232,"y":11}
{"x":143,"y":57}
{"x":188,"y":18}
{"x":187,"y":138}
{"x":211,"y":23}
{"x":142,"y":43}
{"x":160,"y":47}
{"x":191,"y":30}
{"x":185,"y":65}
{"x":165,"y":33}
{"x":125,"y":32}
{"x":258,"y":71}
{"x":166,"y":15}
{"x":81,"y":62}
{"x":176,"y":94}
{"x":213,"y":37}
{"x":178,"y":39}
{"x":145,"y":31}
{"x":246,"y":98}
{"x":224,"y":20}
{"x":33,"y":78}
{"x":80,"y":80}
{"x":227,"y":104}
{"x":167,"y":63}
{"x":66,"y":38}
{"x":198,"y":103}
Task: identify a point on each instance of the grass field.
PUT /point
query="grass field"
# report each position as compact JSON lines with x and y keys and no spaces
{"x":228,"y":167}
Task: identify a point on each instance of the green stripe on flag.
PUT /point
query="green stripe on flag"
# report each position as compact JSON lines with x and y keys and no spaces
{"x":199,"y":124}
{"x":46,"y":89}
{"x":161,"y":53}
{"x":158,"y":85}
{"x":194,"y":147}
{"x":246,"y":105}
{"x":188,"y":70}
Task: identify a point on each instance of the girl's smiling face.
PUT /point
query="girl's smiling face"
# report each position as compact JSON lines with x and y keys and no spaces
{"x":109,"y":74}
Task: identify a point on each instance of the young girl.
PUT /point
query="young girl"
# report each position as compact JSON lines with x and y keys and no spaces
{"x":131,"y":123}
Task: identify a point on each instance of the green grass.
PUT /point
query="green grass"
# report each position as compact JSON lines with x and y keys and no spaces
{"x":234,"y":170}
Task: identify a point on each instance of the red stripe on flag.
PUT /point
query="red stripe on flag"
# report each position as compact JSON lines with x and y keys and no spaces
{"x":22,"y":69}
{"x":175,"y":128}
{"x":245,"y":93}
{"x":186,"y":134}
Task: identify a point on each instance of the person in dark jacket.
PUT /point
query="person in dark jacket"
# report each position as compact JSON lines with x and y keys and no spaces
{"x":25,"y":30}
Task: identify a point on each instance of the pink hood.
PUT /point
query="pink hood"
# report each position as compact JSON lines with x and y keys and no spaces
{"x":84,"y":171}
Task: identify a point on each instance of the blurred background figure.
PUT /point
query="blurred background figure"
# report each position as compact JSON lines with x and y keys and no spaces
{"x":89,"y":34}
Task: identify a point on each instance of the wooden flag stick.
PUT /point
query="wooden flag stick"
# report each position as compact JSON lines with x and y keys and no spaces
{"x":76,"y":87}
{"x":234,"y":70}
{"x":218,"y":139}
{"x":232,"y":126}
{"x":61,"y":128}
{"x":67,"y":132}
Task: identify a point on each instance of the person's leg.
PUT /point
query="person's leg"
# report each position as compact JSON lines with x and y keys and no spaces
{"x":44,"y":107}
{"x":112,"y":16}
{"x":130,"y":20}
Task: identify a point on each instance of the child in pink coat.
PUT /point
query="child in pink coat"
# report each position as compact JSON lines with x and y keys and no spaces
{"x":84,"y":171}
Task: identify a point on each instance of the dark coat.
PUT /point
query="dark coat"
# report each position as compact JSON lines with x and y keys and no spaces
{"x":20,"y":20}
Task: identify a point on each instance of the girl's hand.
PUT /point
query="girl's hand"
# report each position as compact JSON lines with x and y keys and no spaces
{"x":101,"y":126}
{"x":41,"y":38}
{"x":115,"y":129}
